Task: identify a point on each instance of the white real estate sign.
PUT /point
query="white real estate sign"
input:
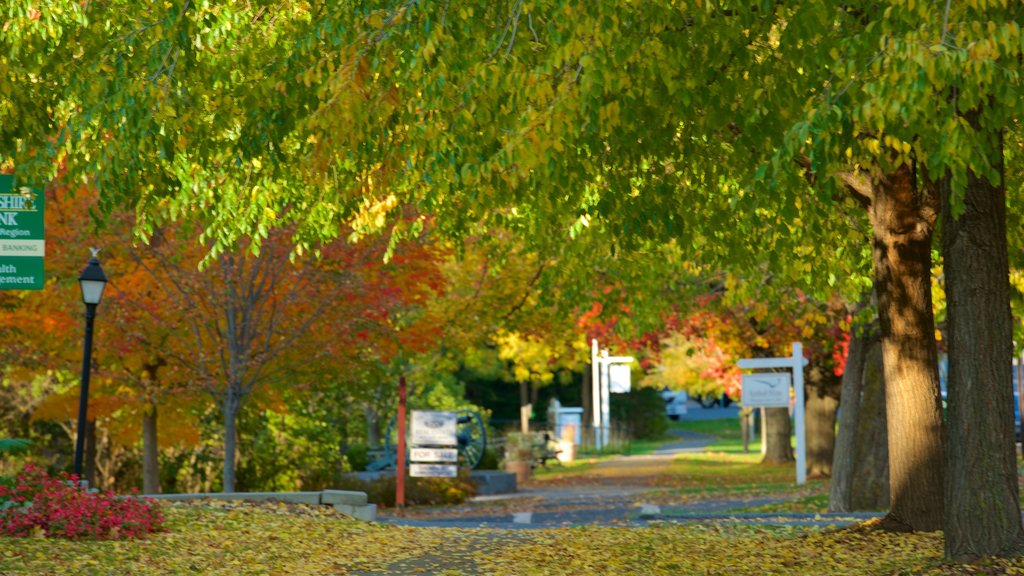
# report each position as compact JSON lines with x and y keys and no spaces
{"x":434,"y":455}
{"x":433,"y":470}
{"x":433,"y":438}
{"x":766,"y":390}
{"x":618,"y":379}
{"x":433,"y":428}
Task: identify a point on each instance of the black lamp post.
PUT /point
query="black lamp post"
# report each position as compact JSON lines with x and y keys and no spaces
{"x":92,"y":280}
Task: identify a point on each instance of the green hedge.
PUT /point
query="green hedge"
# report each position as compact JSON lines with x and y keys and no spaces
{"x":642,"y":411}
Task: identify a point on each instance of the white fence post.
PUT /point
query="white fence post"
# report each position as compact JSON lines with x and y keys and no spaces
{"x":798,"y":413}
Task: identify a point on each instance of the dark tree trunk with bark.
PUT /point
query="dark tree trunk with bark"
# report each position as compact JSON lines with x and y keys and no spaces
{"x":903,"y":219}
{"x":982,"y":507}
{"x":746,"y":427}
{"x":871,"y":485}
{"x":230,"y":410}
{"x":820,"y":414}
{"x":860,"y":469}
{"x":780,"y":449}
{"x":843,"y":462}
{"x":372,"y":427}
{"x":150,"y":446}
{"x":150,"y":453}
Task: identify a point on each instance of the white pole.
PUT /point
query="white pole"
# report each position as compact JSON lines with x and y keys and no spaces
{"x":798,"y":413}
{"x":606,"y":418}
{"x":595,"y":393}
{"x":764,"y":437}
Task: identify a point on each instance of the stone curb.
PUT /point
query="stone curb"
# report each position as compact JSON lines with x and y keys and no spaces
{"x":785,"y":518}
{"x":345,"y":501}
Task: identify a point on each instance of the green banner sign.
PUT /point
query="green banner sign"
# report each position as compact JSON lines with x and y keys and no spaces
{"x":22,"y":243}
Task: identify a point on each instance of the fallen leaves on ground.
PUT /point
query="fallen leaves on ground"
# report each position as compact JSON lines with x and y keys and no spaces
{"x":235,"y":538}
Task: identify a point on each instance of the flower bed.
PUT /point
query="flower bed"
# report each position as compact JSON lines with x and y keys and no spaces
{"x":39,"y":504}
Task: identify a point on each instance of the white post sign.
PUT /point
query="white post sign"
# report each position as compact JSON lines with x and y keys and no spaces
{"x":602,"y":376}
{"x":766,"y":390}
{"x":433,"y":436}
{"x":796,"y":363}
{"x":433,"y":428}
{"x":619,"y":379}
{"x":417,"y":470}
{"x":434,"y":455}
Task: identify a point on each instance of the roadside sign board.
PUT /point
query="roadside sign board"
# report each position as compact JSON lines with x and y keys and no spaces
{"x":433,"y":470}
{"x":619,"y":379}
{"x":433,"y":428}
{"x":433,"y":451}
{"x":766,"y":390}
{"x":434,"y":455}
{"x":22,"y":243}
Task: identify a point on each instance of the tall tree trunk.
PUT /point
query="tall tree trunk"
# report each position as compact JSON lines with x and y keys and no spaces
{"x":746,"y":427}
{"x":230,"y":444}
{"x":780,"y":449}
{"x":903,"y":219}
{"x":821,"y":432}
{"x":372,"y":427}
{"x":982,"y":507}
{"x":849,"y":401}
{"x":150,"y":453}
{"x":871,"y":489}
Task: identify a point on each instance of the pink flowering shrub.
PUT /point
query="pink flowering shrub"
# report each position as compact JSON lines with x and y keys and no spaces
{"x":58,"y":507}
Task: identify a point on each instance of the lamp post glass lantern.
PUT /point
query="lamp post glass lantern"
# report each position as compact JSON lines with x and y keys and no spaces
{"x":92,"y":281}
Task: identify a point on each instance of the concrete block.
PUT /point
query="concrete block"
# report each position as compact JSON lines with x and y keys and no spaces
{"x":366,"y":512}
{"x":489,"y":482}
{"x":349,"y":497}
{"x":311,"y":498}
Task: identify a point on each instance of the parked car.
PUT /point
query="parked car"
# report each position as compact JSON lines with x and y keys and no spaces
{"x":675,"y":402}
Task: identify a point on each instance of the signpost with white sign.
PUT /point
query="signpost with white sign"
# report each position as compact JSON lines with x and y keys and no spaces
{"x":619,"y":379}
{"x":766,"y":390}
{"x":768,"y":385}
{"x":418,"y":470}
{"x":434,"y":440}
{"x":434,"y":455}
{"x":602,"y":364}
{"x":22,"y":244}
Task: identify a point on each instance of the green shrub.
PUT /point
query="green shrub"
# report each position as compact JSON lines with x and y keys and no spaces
{"x":358,"y":456}
{"x":490,"y":460}
{"x":642,"y":412}
{"x":418,"y":491}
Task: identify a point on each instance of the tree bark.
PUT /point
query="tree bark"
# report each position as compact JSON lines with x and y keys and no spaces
{"x":746,"y":427}
{"x":843,"y":462}
{"x":372,"y":427}
{"x":821,"y":432}
{"x":871,"y":488}
{"x":903,"y":220}
{"x":982,"y":507}
{"x":230,"y":445}
{"x":150,"y":453}
{"x":780,"y":448}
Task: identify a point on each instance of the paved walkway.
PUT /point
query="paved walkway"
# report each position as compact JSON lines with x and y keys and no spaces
{"x":616,"y":492}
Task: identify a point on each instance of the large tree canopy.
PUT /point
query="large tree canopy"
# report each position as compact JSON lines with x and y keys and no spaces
{"x":749,"y":133}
